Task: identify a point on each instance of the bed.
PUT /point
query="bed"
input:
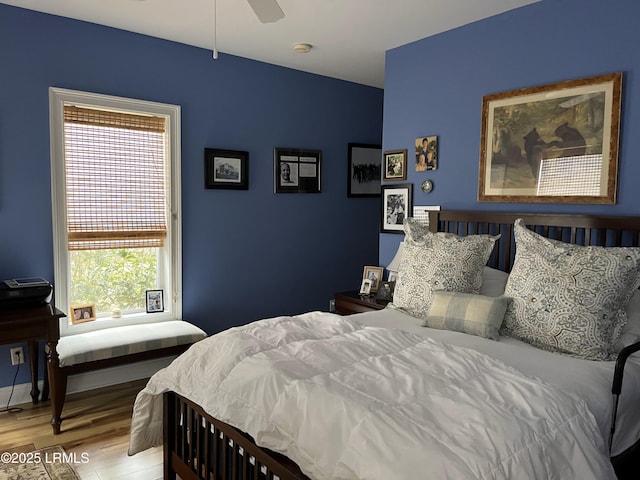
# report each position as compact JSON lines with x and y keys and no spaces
{"x":379,"y":395}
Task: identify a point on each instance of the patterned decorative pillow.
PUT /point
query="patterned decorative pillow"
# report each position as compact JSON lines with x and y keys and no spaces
{"x":438,"y":261}
{"x":466,"y":312}
{"x":631,"y":331}
{"x":569,"y":298}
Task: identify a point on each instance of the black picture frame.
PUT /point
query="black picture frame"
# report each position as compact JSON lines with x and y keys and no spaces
{"x":226,"y":169}
{"x":364,"y":170}
{"x":385,"y":291}
{"x":396,"y":204}
{"x":395,"y":165}
{"x":155,"y":301}
{"x":296,"y":170}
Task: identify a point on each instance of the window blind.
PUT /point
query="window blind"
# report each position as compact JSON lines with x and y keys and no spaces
{"x":115,"y":179}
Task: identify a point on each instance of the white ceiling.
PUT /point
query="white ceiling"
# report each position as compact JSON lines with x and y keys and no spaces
{"x":349,"y":36}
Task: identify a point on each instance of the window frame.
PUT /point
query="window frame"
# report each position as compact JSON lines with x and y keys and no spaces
{"x":169,"y":256}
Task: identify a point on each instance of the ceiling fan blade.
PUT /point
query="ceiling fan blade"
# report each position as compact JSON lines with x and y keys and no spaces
{"x":267,"y":11}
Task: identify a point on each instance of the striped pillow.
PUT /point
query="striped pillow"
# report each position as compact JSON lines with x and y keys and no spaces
{"x":467,"y":312}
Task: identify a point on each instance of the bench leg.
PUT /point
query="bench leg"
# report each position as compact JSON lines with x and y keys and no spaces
{"x":58,"y":386}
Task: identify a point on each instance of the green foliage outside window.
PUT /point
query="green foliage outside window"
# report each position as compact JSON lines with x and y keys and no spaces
{"x":113,"y":278}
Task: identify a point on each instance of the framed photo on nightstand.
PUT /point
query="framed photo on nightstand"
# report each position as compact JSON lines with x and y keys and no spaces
{"x":385,"y":291}
{"x":375,"y":275}
{"x":365,"y":286}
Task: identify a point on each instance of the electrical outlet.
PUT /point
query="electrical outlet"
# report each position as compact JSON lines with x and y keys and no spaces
{"x":17,"y":356}
{"x":332,"y":305}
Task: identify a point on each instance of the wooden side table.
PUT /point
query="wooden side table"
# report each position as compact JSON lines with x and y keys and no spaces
{"x":30,"y":324}
{"x":352,"y":302}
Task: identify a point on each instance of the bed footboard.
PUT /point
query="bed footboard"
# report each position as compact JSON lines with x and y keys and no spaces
{"x":200,"y":447}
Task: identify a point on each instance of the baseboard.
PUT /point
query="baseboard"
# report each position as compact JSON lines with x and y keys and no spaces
{"x":89,"y":380}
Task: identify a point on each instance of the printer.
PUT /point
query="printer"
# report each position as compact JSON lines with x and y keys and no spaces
{"x":25,"y":292}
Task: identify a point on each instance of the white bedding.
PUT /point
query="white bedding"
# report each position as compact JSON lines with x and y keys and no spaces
{"x":586,"y":379}
{"x":369,"y":401}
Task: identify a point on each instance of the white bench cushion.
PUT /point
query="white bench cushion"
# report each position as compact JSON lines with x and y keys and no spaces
{"x":119,"y":341}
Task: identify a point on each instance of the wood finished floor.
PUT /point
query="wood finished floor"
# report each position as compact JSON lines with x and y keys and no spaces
{"x":96,"y":423}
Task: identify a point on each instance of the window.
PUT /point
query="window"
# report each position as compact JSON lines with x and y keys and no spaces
{"x":115,"y":166}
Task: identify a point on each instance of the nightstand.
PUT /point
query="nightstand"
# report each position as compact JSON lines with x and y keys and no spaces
{"x":352,"y":302}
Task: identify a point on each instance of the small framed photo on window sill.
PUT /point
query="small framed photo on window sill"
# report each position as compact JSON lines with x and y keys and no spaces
{"x":155,"y":301}
{"x":83,"y":313}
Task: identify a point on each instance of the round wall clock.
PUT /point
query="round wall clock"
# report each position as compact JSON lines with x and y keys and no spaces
{"x":427,"y":186}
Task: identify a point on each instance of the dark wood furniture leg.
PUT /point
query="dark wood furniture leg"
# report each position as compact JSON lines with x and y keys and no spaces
{"x":33,"y":366}
{"x":45,"y":382}
{"x":58,"y":383}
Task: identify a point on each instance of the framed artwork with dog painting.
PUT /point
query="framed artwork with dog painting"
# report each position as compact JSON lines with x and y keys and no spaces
{"x":555,"y":143}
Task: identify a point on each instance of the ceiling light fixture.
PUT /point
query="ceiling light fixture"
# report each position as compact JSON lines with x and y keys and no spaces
{"x":302,"y":47}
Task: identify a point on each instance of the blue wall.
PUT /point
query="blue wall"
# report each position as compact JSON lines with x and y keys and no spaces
{"x":246,"y":254}
{"x":435,"y":87}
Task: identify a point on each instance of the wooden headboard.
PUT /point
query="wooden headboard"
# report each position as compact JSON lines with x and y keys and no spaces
{"x":597,"y":230}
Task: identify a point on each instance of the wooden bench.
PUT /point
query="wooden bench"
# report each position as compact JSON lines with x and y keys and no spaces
{"x":111,"y":347}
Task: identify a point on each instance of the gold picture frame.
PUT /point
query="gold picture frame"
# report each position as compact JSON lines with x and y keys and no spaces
{"x":82,"y":313}
{"x":555,"y":143}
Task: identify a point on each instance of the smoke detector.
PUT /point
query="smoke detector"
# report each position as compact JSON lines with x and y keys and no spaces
{"x":302,"y":47}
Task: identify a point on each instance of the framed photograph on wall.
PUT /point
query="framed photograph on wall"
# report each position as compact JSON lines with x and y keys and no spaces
{"x":426,"y":153}
{"x":364,"y":170}
{"x":395,"y":165}
{"x":227,"y":169}
{"x":396,"y":205}
{"x":83,"y":313}
{"x":296,"y":170}
{"x":554,"y":143}
{"x":155,"y":301}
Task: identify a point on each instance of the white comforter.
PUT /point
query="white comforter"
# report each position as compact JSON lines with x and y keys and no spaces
{"x":346,"y":401}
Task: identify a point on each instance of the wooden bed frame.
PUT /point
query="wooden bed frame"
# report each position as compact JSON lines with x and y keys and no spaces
{"x":199,"y":447}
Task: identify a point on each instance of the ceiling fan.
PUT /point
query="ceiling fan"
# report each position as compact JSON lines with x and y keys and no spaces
{"x":267,"y":11}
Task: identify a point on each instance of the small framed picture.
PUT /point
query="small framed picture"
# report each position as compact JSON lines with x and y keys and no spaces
{"x":426,"y":153}
{"x":396,"y":205}
{"x":365,"y":287}
{"x":155,"y":301}
{"x":375,"y":275}
{"x":392,"y":277}
{"x":385,"y":291}
{"x":228,"y":169}
{"x":83,"y":313}
{"x":395,"y":165}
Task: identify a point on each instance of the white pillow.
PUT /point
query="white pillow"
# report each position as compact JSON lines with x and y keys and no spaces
{"x":569,"y":298}
{"x":493,"y":282}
